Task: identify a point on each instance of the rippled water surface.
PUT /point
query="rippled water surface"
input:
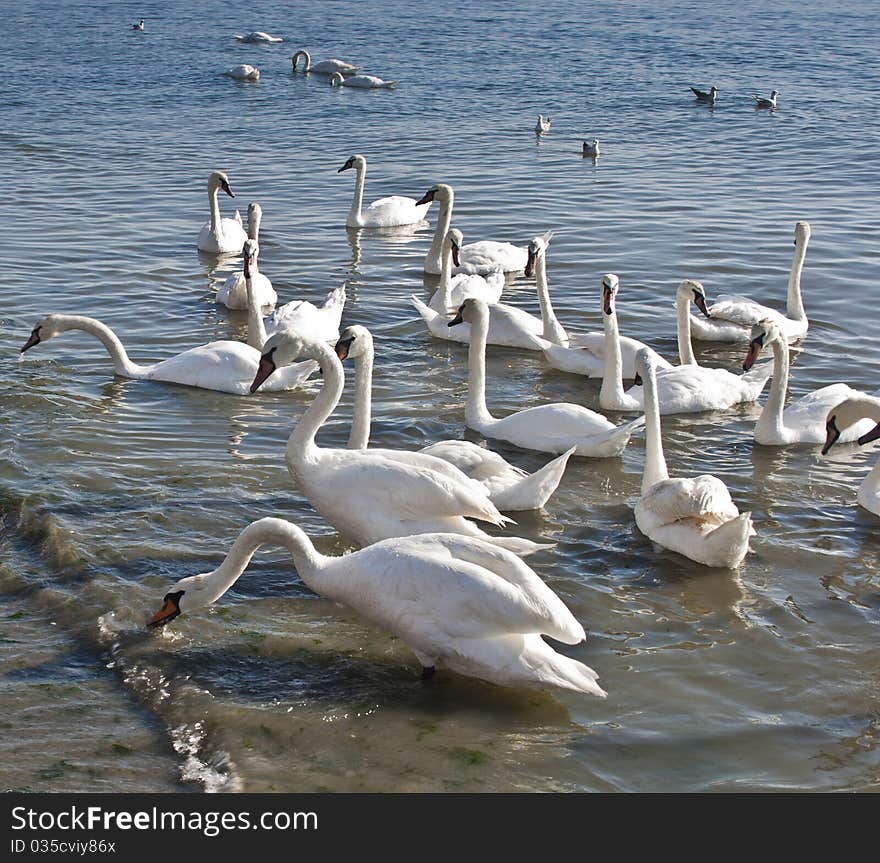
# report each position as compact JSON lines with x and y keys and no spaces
{"x":110,"y":489}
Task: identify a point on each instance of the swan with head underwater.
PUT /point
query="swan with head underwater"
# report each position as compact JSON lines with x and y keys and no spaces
{"x":370,"y":495}
{"x":694,"y":517}
{"x":257,"y":37}
{"x":481,"y":257}
{"x":510,"y":488}
{"x":243,"y":72}
{"x":322,"y":67}
{"x":689,"y":387}
{"x":508,"y":325}
{"x":552,"y":428}
{"x":852,"y":413}
{"x":387,"y":212}
{"x":361,"y":82}
{"x":731,"y":318}
{"x":456,"y":601}
{"x":221,"y":236}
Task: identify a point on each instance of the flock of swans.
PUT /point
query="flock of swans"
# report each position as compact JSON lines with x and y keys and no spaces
{"x":456,"y":595}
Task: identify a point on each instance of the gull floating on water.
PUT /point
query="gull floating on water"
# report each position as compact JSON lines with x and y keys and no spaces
{"x":761,"y":102}
{"x":591,"y":148}
{"x":139,"y":25}
{"x":542,"y":125}
{"x":244,"y":72}
{"x":704,"y":95}
{"x":257,"y":36}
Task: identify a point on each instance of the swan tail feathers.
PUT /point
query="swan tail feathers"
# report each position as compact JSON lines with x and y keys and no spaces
{"x":534,"y":489}
{"x":336,"y":298}
{"x":519,"y":546}
{"x":613,"y":442}
{"x":728,"y":544}
{"x":426,"y":312}
{"x":237,"y":218}
{"x":531,"y":661}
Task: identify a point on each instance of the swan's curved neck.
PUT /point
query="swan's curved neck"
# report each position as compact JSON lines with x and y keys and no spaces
{"x":277,"y":531}
{"x":553,"y":330}
{"x":612,"y":376}
{"x":655,"y":463}
{"x":685,"y":348}
{"x":307,"y":57}
{"x":354,"y":214}
{"x":359,"y":436}
{"x":444,"y":286}
{"x":121,"y":363}
{"x":444,"y":220}
{"x":214,"y":204}
{"x":475,"y":412}
{"x":771,"y":420}
{"x":301,"y":444}
{"x":256,"y":332}
{"x":795,"y":303}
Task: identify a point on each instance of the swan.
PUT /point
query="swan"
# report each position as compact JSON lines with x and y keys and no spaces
{"x":591,"y":148}
{"x":233,"y":292}
{"x":257,"y":36}
{"x":552,"y":428}
{"x":761,"y":102}
{"x":706,"y":95}
{"x":694,"y":517}
{"x":370,"y":495}
{"x":481,"y":257}
{"x":221,"y":236}
{"x":508,"y":325}
{"x":510,"y":488}
{"x":139,"y":25}
{"x":363,"y":82}
{"x":849,"y":413}
{"x":322,"y":67}
{"x":452,"y":290}
{"x":543,"y":125}
{"x":731,"y":318}
{"x":589,"y":354}
{"x":386,"y":212}
{"x":687,"y":388}
{"x":803,"y":421}
{"x":225,"y":366}
{"x":455,"y":601}
{"x":243,"y":72}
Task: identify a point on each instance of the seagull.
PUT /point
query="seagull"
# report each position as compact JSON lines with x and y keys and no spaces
{"x":761,"y":102}
{"x":591,"y":148}
{"x":139,"y":25}
{"x":542,"y":125}
{"x":703,"y":96}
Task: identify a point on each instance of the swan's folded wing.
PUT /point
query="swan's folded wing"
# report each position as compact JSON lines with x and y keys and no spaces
{"x":490,"y":254}
{"x":704,"y":499}
{"x":477,"y":462}
{"x":740,"y":310}
{"x":393,"y":211}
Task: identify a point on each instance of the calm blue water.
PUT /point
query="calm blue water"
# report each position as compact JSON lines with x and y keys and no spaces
{"x":111,"y":489}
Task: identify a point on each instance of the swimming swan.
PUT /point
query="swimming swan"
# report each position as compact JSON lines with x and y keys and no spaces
{"x":840,"y":419}
{"x":225,"y":366}
{"x":452,"y":291}
{"x":694,"y":517}
{"x":803,"y":421}
{"x":370,"y":495}
{"x":731,"y":318}
{"x":363,"y":82}
{"x":481,"y":257}
{"x":310,"y":321}
{"x":323,"y":67}
{"x":384,"y":213}
{"x":510,"y":488}
{"x":233,"y":292}
{"x":257,"y":36}
{"x":552,"y":428}
{"x":243,"y":72}
{"x":455,"y":601}
{"x":221,"y":236}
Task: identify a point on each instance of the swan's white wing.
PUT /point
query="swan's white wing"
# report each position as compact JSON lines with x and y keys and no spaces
{"x":393,"y":211}
{"x":742,"y":311}
{"x":488,"y":254}
{"x":809,"y":414}
{"x":693,"y":389}
{"x":629,"y":347}
{"x":307,"y":319}
{"x":233,"y":292}
{"x":477,"y":462}
{"x":366,"y":81}
{"x":704,"y":499}
{"x":549,"y":428}
{"x":488,"y":289}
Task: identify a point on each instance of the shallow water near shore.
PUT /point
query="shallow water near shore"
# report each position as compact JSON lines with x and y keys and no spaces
{"x":110,"y":490}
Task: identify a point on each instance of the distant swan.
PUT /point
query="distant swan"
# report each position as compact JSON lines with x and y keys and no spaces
{"x":257,"y":36}
{"x":706,"y":95}
{"x":364,"y":82}
{"x":243,"y":72}
{"x":761,"y":102}
{"x":220,"y":235}
{"x":848,"y":414}
{"x":453,"y":600}
{"x":324,"y":67}
{"x":233,"y":292}
{"x":543,"y":125}
{"x":384,"y":212}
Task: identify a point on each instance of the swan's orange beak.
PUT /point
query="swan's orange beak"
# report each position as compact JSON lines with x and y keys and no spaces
{"x":867,"y":437}
{"x":700,"y":302}
{"x":33,"y":339}
{"x":225,"y":186}
{"x":530,"y":263}
{"x":166,"y":613}
{"x":264,"y":369}
{"x":426,"y":198}
{"x":832,"y":433}
{"x":754,"y":349}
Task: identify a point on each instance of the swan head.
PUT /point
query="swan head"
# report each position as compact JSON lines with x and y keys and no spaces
{"x":470,"y":311}
{"x":255,"y":211}
{"x":282,"y":349}
{"x":693,"y":291}
{"x":219,"y":180}
{"x":46,"y":328}
{"x":336,"y":79}
{"x":802,"y":233}
{"x":610,"y":286}
{"x":845,"y":414}
{"x":249,"y":252}
{"x":439,"y":191}
{"x":644,"y":365}
{"x":356,"y":161}
{"x":537,"y":249}
{"x":453,"y":241}
{"x":763,"y":334}
{"x":354,"y":342}
{"x":189,"y":593}
{"x":301,"y":53}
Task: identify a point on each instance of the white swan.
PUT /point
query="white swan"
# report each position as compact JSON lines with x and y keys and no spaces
{"x":363,"y":82}
{"x":694,"y":517}
{"x":803,"y":421}
{"x":481,"y":257}
{"x":552,"y":428}
{"x":225,"y":366}
{"x":543,"y":125}
{"x":709,"y":96}
{"x":220,"y":235}
{"x":370,"y":495}
{"x":452,"y":291}
{"x":385,"y":212}
{"x":257,"y":37}
{"x":454,"y":601}
{"x":233,"y":292}
{"x":761,"y":102}
{"x":687,"y":388}
{"x":850,"y":412}
{"x":731,"y":318}
{"x":243,"y":72}
{"x":591,"y":149}
{"x":510,"y":488}
{"x":310,"y":321}
{"x":322,"y":67}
